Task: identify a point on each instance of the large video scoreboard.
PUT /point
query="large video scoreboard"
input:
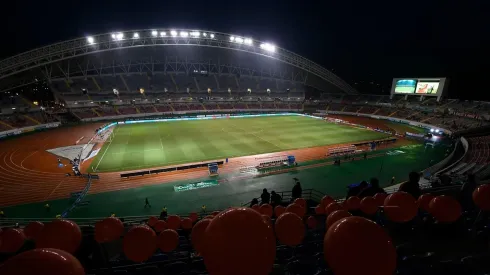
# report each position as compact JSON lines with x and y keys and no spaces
{"x":419,"y":86}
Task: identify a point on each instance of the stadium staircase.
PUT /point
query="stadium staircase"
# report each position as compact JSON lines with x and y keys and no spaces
{"x":6,"y":124}
{"x":393,"y":113}
{"x":426,"y":119}
{"x":377,"y":110}
{"x":117,"y":110}
{"x":155,"y":108}
{"x":343,"y":108}
{"x":137,"y":110}
{"x":359,"y":110}
{"x":126,"y":84}
{"x":203,"y":106}
{"x":96,"y":84}
{"x":237,"y":82}
{"x":197,"y":84}
{"x":217,"y":82}
{"x":95,"y":111}
{"x":175,"y":83}
{"x":32,"y":119}
{"x":27,"y":102}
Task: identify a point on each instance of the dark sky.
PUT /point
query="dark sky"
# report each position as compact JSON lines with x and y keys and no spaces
{"x":361,"y":41}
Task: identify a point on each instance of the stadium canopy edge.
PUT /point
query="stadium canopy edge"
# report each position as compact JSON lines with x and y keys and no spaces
{"x":43,"y":57}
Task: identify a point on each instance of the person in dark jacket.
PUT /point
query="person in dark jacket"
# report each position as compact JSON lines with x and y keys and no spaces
{"x":412,"y":185}
{"x":356,"y":190}
{"x":254,"y":202}
{"x":275,"y":198}
{"x":372,"y":190}
{"x":265,"y":197}
{"x":297,"y":191}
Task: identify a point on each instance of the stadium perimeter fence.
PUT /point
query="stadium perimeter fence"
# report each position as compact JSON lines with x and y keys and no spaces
{"x":309,"y":194}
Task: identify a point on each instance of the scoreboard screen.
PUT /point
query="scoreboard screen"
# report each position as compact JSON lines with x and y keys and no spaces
{"x":405,"y":86}
{"x":424,"y":87}
{"x":418,"y":86}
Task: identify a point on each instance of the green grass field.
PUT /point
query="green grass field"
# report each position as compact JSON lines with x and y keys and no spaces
{"x":145,"y":145}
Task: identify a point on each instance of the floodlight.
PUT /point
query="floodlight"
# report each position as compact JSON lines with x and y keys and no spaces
{"x":173,"y":33}
{"x":90,"y":40}
{"x":195,"y":34}
{"x":432,"y":130}
{"x":212,"y":35}
{"x":154,"y":33}
{"x":184,"y":34}
{"x":162,"y":34}
{"x":13,"y":108}
{"x":232,"y":38}
{"x":268,"y":47}
{"x":136,"y":35}
{"x":239,"y":40}
{"x":117,"y":36}
{"x":204,"y":34}
{"x":248,"y":41}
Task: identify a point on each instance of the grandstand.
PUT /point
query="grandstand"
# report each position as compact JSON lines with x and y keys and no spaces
{"x":142,"y":216}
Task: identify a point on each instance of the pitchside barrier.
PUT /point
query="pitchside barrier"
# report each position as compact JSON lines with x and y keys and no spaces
{"x":171,"y":169}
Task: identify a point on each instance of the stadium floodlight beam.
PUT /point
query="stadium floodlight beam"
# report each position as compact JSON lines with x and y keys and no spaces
{"x":195,"y":34}
{"x":90,"y":40}
{"x":184,"y":34}
{"x":239,"y":40}
{"x":163,"y":34}
{"x":232,"y":38}
{"x":173,"y":33}
{"x":248,"y":41}
{"x":113,"y":36}
{"x":211,"y":35}
{"x":154,"y":33}
{"x":136,"y":35}
{"x":204,"y":34}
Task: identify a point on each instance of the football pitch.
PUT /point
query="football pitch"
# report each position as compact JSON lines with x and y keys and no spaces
{"x":146,"y":145}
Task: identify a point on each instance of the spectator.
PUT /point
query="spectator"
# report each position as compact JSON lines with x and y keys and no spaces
{"x":163,"y":214}
{"x":356,"y":190}
{"x":297,"y":191}
{"x":466,"y":193}
{"x":265,"y":197}
{"x":412,"y":185}
{"x":275,"y":198}
{"x":372,"y":190}
{"x":147,"y":203}
{"x":255,"y":201}
{"x":2,"y":214}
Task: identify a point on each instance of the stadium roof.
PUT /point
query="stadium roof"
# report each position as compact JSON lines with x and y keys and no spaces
{"x":127,"y":52}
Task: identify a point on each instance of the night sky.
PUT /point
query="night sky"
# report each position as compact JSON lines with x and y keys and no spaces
{"x":361,"y":41}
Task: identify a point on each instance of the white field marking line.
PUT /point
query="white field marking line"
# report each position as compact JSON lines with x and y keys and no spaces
{"x":45,"y":199}
{"x":287,"y":145}
{"x":104,"y":154}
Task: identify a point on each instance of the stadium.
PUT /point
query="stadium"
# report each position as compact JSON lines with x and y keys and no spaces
{"x":152,"y":134}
